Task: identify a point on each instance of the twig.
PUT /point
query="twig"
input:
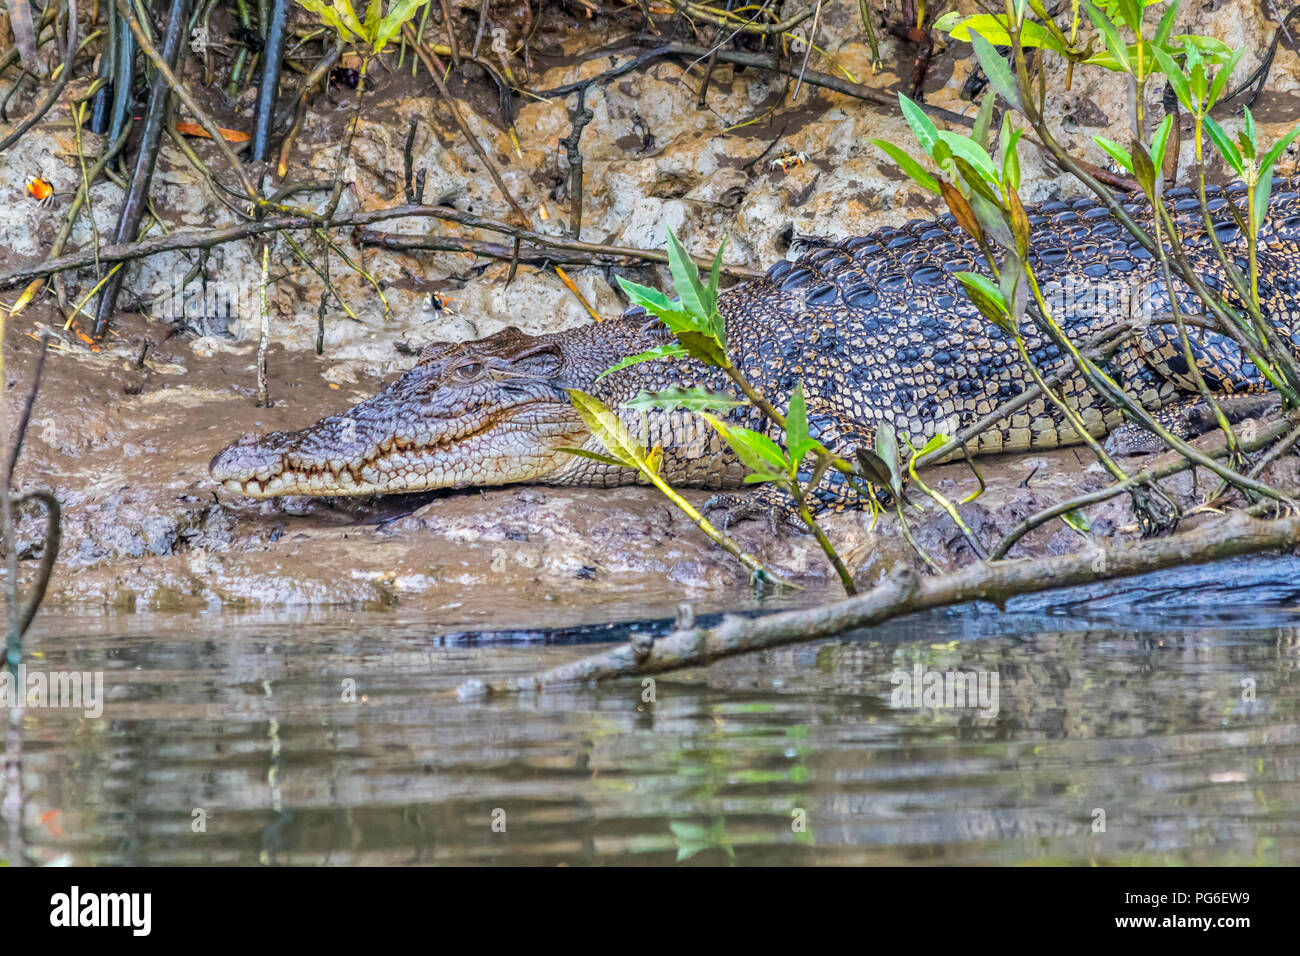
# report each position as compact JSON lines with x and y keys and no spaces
{"x":762,"y":61}
{"x":570,"y":142}
{"x":263,"y":392}
{"x":549,"y":255}
{"x":1144,"y":477}
{"x":451,"y":34}
{"x":807,"y":53}
{"x":179,"y":88}
{"x":26,"y":416}
{"x":697,"y":12}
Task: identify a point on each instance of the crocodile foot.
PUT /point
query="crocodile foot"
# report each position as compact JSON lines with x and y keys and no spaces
{"x":771,"y":504}
{"x":1187,"y":420}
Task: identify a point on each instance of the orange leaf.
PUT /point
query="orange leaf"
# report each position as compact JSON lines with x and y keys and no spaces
{"x":194,"y":129}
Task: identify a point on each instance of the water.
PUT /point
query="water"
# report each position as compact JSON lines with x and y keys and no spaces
{"x":1130,"y":702}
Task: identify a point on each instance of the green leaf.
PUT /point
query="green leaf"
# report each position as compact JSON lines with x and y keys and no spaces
{"x":652,"y":300}
{"x":1177,"y":79}
{"x":1259,"y":211}
{"x":348,"y":16}
{"x":1014,"y":288}
{"x":1118,"y":49}
{"x":339,"y":16}
{"x":1221,"y":79}
{"x":1077,"y":520}
{"x":987,"y":298}
{"x":991,"y":219}
{"x":609,"y":430}
{"x":1194,"y":67}
{"x":703,"y":347}
{"x":662,"y":352}
{"x":887,"y":451}
{"x":1144,"y":169}
{"x":934,"y":444}
{"x":948,"y":22}
{"x":1249,"y":136}
{"x":398,"y":14}
{"x":972,"y":153}
{"x":694,"y":333}
{"x":374,"y":10}
{"x":992,"y":28}
{"x":796,"y":428}
{"x":1019,"y":222}
{"x":686,"y":282}
{"x":873,"y":468}
{"x":1166,"y":26}
{"x":1121,"y":155}
{"x":908,"y":165}
{"x":1225,"y":147}
{"x":691,"y":399}
{"x":1270,"y":158}
{"x":1008,"y":143}
{"x":1131,"y":13}
{"x":997,"y":69}
{"x":923,"y":128}
{"x":711,"y":292}
{"x":1160,"y":141}
{"x":759,"y":453}
{"x":979,"y":133}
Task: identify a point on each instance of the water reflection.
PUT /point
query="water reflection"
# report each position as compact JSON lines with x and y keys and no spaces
{"x":337,"y":739}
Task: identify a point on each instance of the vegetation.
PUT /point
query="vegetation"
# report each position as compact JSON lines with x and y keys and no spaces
{"x":978,"y":177}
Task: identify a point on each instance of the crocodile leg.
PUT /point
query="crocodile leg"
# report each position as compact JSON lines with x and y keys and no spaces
{"x":833,"y":493}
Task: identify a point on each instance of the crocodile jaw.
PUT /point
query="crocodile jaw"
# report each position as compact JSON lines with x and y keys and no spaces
{"x":520,"y":446}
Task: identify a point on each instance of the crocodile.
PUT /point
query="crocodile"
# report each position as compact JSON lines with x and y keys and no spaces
{"x":876,"y":328}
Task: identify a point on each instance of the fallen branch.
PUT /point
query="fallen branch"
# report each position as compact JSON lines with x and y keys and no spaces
{"x":542,"y":249}
{"x":762,"y":61}
{"x":211,"y":238}
{"x":904,"y":592}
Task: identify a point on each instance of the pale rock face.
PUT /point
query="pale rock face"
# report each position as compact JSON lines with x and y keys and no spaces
{"x":652,"y":159}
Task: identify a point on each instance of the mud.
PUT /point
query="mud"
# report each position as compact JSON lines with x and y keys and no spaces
{"x":124,"y":440}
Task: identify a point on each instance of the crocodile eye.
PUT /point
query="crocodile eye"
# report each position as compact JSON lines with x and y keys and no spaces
{"x":467,"y":372}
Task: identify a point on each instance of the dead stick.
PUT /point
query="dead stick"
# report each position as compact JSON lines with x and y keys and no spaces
{"x":434,"y":67}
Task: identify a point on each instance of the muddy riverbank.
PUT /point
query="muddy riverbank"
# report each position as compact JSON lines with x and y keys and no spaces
{"x":123,"y":430}
{"x":126,"y":444}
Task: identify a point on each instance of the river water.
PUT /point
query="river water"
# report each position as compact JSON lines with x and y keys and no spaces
{"x":1156,"y":721}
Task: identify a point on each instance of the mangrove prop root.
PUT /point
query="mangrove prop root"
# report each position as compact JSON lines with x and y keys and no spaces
{"x":137,"y":196}
{"x":272,"y":54}
{"x":57,"y":89}
{"x":905,"y":591}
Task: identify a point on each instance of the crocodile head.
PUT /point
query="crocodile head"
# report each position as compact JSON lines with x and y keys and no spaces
{"x":489,"y":412}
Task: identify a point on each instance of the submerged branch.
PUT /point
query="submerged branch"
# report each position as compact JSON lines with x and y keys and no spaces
{"x":905,"y":591}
